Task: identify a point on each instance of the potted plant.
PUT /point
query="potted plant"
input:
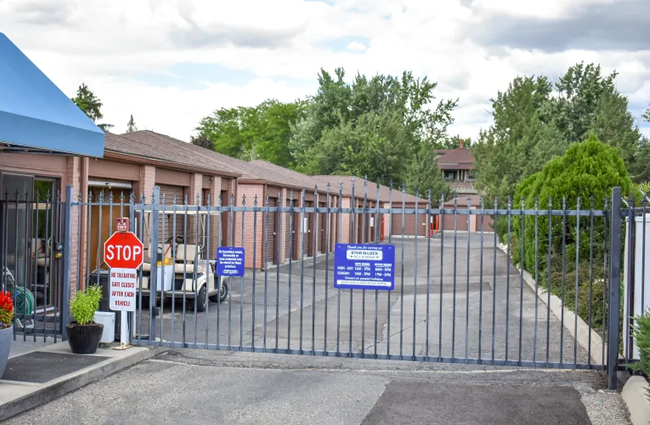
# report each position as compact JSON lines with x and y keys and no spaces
{"x":6,"y":328}
{"x":84,"y":334}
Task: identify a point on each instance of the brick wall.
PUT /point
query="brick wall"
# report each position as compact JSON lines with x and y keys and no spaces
{"x":147,"y":182}
{"x":252,"y":242}
{"x":74,"y":179}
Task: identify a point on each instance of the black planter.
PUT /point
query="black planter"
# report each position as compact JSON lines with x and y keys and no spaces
{"x":84,"y":339}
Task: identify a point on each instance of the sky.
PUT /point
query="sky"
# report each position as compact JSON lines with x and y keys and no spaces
{"x":172,"y":62}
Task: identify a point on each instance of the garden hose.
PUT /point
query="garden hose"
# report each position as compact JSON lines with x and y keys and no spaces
{"x":24,"y":301}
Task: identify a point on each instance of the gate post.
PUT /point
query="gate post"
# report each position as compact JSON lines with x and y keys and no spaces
{"x":614,"y":288}
{"x":66,"y":261}
{"x":153,"y":275}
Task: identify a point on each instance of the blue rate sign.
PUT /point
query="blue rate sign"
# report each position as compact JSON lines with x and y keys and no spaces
{"x":364,"y":267}
{"x":230,"y":261}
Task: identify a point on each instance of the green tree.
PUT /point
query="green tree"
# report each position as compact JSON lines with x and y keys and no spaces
{"x":520,"y":141}
{"x":423,"y":175}
{"x":130,"y":126}
{"x":371,"y":126}
{"x":587,"y":101}
{"x":249,"y":133}
{"x":91,"y":105}
{"x":585,"y":174}
{"x":646,"y":115}
{"x":202,"y":140}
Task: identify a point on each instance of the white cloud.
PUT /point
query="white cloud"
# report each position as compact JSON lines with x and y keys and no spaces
{"x":111,"y":44}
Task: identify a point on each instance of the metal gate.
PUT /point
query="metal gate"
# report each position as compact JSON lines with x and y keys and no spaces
{"x":504,"y":297}
{"x":35,"y":235}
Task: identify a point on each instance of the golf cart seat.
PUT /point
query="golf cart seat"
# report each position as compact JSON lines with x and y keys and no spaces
{"x":185,"y":256}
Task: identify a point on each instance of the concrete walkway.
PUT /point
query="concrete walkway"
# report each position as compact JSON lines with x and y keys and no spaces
{"x":48,"y":371}
{"x":204,"y":386}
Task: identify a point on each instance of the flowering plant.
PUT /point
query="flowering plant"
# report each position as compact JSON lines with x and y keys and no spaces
{"x":6,"y":310}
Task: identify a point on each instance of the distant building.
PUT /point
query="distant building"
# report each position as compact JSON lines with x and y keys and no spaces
{"x":457,"y":168}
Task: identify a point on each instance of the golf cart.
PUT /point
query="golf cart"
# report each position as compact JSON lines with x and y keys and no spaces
{"x":183,"y":272}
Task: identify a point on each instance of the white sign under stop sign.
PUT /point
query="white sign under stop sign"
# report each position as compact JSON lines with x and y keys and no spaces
{"x":123,"y":289}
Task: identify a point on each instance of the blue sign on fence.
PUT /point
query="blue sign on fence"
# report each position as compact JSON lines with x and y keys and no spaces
{"x":364,"y":267}
{"x":230,"y":261}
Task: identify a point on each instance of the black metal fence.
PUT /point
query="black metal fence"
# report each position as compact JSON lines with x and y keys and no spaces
{"x":33,"y":264}
{"x":532,"y":284}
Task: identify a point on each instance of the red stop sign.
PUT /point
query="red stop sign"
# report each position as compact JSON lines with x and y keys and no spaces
{"x":123,"y":250}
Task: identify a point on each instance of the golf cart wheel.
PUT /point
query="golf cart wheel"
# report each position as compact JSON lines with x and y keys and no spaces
{"x":201,"y":300}
{"x":222,"y":295}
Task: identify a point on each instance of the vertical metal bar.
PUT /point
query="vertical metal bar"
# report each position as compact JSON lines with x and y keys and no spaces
{"x":185,"y":215}
{"x":643,"y":204}
{"x":442,"y":274}
{"x":429,"y":236}
{"x":175,"y":256}
{"x":231,"y":239}
{"x":480,"y":302}
{"x":67,"y":261}
{"x":606,"y":249}
{"x":34,"y":271}
{"x":279,"y":260}
{"x":377,"y":241}
{"x":59,"y":323}
{"x":327,"y":258}
{"x":390,"y":241}
{"x":536,"y":279}
{"x":162,"y":268}
{"x":291,"y":232}
{"x":469,"y":206}
{"x":563,"y":277}
{"x":591,"y":275}
{"x":338,"y":291}
{"x":266,"y":241}
{"x":197,"y":206}
{"x":614,"y":288}
{"x":241,"y":279}
{"x":453,"y":320}
{"x":48,"y":254}
{"x":508,"y":256}
{"x":88,"y":230}
{"x":266,"y":263}
{"x":401,"y":311}
{"x":550,"y":283}
{"x":522,"y":263}
{"x":415,"y":274}
{"x":313,"y":289}
{"x":141,"y":271}
{"x":363,"y":291}
{"x":577,"y":285}
{"x":352,"y":240}
{"x":79,"y":242}
{"x":303,"y":232}
{"x":494,"y":276}
{"x":630,"y":280}
{"x":26,"y":254}
{"x":219,"y":278}
{"x":206,"y":256}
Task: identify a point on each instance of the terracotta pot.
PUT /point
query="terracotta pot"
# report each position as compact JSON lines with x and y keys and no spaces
{"x":84,"y":339}
{"x":6,"y":337}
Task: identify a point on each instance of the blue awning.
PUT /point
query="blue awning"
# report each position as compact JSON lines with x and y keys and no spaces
{"x":35,"y":114}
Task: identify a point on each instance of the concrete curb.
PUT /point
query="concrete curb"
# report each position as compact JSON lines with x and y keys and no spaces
{"x":556,"y":307}
{"x":635,"y":396}
{"x":59,"y":387}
